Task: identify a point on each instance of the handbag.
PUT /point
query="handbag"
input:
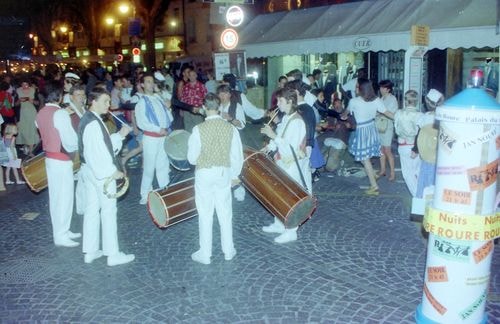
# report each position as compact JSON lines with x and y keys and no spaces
{"x":381,"y":123}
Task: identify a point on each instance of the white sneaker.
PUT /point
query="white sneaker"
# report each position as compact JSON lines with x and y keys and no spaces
{"x":143,"y":201}
{"x":196,"y":256}
{"x":120,"y":258}
{"x":239,"y":193}
{"x":89,"y":257}
{"x":66,"y":243}
{"x":274,"y":228}
{"x":288,"y":236}
{"x":230,"y":256}
{"x":72,"y":235}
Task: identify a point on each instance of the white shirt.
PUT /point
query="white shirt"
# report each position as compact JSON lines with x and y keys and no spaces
{"x":160,"y":112}
{"x":250,"y":110}
{"x":96,"y":153}
{"x":235,"y":155}
{"x":62,"y":122}
{"x":390,"y":102}
{"x":309,"y":98}
{"x":351,"y":86}
{"x":365,"y":110}
{"x":240,"y":115}
{"x":293,"y":134}
{"x":76,"y":110}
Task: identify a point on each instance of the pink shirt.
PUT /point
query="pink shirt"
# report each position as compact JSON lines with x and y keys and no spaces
{"x":193,"y":94}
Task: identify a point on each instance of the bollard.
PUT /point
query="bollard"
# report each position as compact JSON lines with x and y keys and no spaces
{"x":462,"y":220}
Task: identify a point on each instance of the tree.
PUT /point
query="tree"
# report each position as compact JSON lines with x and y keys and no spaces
{"x":151,"y":13}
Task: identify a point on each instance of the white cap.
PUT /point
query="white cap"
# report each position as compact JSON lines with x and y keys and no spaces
{"x":159,"y":76}
{"x":434,"y":95}
{"x":71,"y":75}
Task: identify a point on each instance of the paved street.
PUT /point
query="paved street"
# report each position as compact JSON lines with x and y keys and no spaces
{"x":358,"y":260}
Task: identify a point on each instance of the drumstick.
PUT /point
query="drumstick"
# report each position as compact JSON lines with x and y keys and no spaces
{"x":276,"y":111}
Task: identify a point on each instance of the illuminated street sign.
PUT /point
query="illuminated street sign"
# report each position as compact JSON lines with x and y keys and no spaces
{"x":234,"y":16}
{"x":229,"y":38}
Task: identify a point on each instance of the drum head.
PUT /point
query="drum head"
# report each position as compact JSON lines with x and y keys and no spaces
{"x":176,"y":147}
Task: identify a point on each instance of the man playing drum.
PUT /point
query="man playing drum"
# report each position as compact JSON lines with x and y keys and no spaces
{"x":154,"y":118}
{"x":100,"y":166}
{"x":58,"y":138}
{"x":216,"y":150}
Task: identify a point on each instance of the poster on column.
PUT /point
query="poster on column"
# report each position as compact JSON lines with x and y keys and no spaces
{"x":230,"y":62}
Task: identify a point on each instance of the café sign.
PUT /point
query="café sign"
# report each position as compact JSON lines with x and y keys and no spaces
{"x":362,"y":43}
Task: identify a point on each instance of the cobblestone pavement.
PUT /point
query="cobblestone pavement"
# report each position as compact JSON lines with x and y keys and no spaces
{"x":358,"y":260}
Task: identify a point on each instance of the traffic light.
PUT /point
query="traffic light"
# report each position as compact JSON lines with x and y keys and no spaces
{"x":136,"y":51}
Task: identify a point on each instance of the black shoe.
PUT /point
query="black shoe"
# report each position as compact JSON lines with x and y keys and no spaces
{"x":315,"y":176}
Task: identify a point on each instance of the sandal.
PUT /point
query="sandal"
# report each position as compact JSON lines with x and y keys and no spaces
{"x":373,"y":191}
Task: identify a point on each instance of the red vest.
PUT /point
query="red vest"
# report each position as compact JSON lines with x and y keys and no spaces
{"x":51,"y":140}
{"x":75,"y":121}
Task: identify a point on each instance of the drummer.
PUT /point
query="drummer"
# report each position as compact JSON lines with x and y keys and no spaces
{"x":154,"y":118}
{"x":289,"y":143}
{"x":216,"y":150}
{"x":58,"y":138}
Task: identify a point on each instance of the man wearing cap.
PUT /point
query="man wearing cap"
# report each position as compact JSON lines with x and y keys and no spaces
{"x":70,"y":79}
{"x":154,"y":119}
{"x":216,"y":150}
{"x":427,"y":141}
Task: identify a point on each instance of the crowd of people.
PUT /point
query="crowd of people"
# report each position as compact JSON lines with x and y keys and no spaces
{"x":110,"y":118}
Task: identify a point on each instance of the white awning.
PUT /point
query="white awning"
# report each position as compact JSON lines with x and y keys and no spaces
{"x":371,"y":25}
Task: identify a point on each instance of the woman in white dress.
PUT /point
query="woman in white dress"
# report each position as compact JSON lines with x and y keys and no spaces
{"x":365,"y":143}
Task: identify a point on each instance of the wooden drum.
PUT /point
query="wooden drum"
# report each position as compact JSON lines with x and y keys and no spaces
{"x":34,"y":172}
{"x":275,"y":190}
{"x":172,"y":205}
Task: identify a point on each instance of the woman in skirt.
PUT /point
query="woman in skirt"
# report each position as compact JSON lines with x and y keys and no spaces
{"x":365,"y":143}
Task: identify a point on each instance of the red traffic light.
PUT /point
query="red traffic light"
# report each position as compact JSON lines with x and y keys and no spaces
{"x":136,"y":51}
{"x":119,"y":57}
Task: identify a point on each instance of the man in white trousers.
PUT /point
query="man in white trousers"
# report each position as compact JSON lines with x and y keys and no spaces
{"x":58,"y":139}
{"x":154,"y":118}
{"x":216,"y":150}
{"x":98,"y":150}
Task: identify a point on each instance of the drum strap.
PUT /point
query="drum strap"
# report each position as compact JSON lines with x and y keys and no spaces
{"x":298,"y":167}
{"x":87,"y":119}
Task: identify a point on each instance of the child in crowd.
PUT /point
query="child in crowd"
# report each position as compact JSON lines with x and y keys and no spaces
{"x":9,"y":140}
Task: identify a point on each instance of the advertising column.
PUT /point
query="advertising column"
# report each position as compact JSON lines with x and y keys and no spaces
{"x":462,"y":221}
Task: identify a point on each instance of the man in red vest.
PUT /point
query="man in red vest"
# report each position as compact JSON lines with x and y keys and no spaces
{"x":59,"y":139}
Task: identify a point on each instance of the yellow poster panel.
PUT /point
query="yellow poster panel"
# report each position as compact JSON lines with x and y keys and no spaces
{"x":460,"y":226}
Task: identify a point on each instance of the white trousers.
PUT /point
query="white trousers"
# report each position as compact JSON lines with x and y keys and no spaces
{"x":410,"y":168}
{"x":61,"y":195}
{"x":154,"y":159}
{"x":80,"y":194}
{"x":99,"y":210}
{"x":213,"y":193}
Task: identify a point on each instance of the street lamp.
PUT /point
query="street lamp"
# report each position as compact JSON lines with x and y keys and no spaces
{"x":124,"y":8}
{"x":109,"y":21}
